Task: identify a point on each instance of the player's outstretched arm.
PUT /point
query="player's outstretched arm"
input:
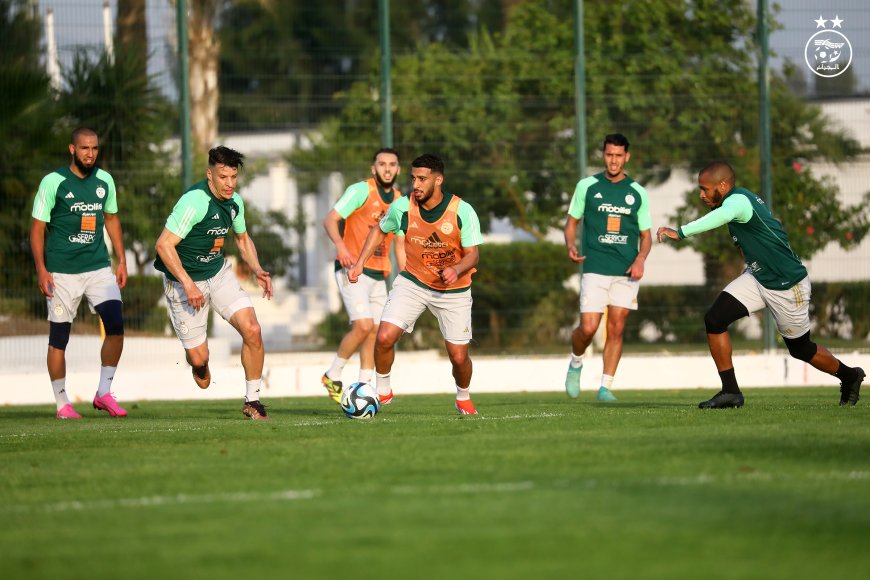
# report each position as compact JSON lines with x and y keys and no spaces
{"x":666,"y":232}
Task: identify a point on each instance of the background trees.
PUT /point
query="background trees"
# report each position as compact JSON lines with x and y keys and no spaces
{"x":677,"y":77}
{"x":28,"y":140}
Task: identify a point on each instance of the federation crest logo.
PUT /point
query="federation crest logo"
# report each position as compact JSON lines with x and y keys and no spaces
{"x":446,"y":228}
{"x":101,"y":192}
{"x":629,"y":199}
{"x":58,"y":309}
{"x":828,"y":53}
{"x":233,"y":214}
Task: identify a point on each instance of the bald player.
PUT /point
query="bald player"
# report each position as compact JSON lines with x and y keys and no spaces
{"x":774,"y":278}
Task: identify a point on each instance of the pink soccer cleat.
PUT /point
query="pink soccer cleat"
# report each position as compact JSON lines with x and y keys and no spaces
{"x":465,"y":407}
{"x":386,"y":399}
{"x":108,"y":403}
{"x":67,"y":412}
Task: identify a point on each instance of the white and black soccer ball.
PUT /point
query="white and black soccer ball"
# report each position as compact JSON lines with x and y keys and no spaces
{"x":360,"y":401}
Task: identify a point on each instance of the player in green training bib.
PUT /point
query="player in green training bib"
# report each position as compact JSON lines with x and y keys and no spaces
{"x":774,"y":278}
{"x":616,"y":242}
{"x":72,"y":207}
{"x":190,"y":253}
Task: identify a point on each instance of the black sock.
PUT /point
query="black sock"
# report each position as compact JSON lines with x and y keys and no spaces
{"x":729,"y":381}
{"x":845,"y":374}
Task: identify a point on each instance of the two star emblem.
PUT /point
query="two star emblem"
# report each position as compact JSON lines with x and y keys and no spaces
{"x":836,"y":22}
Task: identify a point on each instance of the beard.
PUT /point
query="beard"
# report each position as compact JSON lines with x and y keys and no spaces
{"x":385,"y":185}
{"x":82,"y":167}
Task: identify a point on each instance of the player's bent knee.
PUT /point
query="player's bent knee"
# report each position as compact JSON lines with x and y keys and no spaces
{"x":112,"y":316}
{"x":58,"y":334}
{"x":725,"y":310}
{"x":364,"y":325}
{"x":252,"y":333}
{"x":801,"y":348}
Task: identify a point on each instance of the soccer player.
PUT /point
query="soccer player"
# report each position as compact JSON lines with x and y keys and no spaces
{"x":774,"y":277}
{"x":616,"y":242}
{"x":190,"y":253}
{"x":73,"y":205}
{"x":441,"y":238}
{"x":361,"y":208}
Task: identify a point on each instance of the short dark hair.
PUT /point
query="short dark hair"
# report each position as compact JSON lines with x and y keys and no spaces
{"x":221,"y":155}
{"x":617,"y":139}
{"x":429,"y":161}
{"x":389,"y":150}
{"x":719,"y":171}
{"x":81,"y":132}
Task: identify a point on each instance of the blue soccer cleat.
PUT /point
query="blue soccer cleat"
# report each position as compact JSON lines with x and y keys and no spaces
{"x":604,"y":394}
{"x":572,"y":381}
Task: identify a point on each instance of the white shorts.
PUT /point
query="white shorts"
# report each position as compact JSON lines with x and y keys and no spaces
{"x":97,"y":286}
{"x":222,"y":291}
{"x":364,"y":299}
{"x":790,"y":308}
{"x":597,"y":292}
{"x":452,"y":309}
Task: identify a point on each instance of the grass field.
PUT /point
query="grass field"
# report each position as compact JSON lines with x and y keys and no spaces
{"x":536,"y":487}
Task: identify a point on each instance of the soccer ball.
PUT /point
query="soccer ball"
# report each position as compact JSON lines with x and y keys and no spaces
{"x":360,"y":401}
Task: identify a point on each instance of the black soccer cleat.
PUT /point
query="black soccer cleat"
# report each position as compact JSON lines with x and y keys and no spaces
{"x":723,"y":400}
{"x":255,"y":410}
{"x":849,"y":391}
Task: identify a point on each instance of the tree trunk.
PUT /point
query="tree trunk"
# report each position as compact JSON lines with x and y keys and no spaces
{"x":131,"y":31}
{"x":204,"y":53}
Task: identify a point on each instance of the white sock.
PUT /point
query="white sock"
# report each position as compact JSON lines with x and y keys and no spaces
{"x":60,"y":396}
{"x":606,"y":381}
{"x":334,"y":372}
{"x":462,"y":394}
{"x":106,"y":376}
{"x":253,"y":390}
{"x":576,"y":360}
{"x":383,"y":384}
{"x":365,"y":375}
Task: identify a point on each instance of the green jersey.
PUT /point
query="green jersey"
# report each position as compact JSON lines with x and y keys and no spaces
{"x":73,"y":208}
{"x":202,"y":221}
{"x":758,"y":234}
{"x":613,"y":215}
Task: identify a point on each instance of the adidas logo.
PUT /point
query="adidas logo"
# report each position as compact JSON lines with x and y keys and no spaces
{"x":215,"y":217}
{"x":413,"y":225}
{"x":70,"y":195}
{"x":598,"y":195}
{"x":434,"y":241}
